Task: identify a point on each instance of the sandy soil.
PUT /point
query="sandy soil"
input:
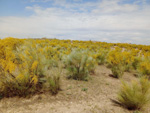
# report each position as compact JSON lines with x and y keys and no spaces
{"x":93,"y":96}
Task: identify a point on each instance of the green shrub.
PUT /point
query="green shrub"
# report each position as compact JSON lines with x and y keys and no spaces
{"x":84,"y":89}
{"x":127,"y":67}
{"x":135,"y":95}
{"x":144,"y":67}
{"x":137,"y":112}
{"x":53,"y":80}
{"x":79,"y":64}
{"x":54,"y":85}
{"x":117,"y":71}
{"x":136,"y":62}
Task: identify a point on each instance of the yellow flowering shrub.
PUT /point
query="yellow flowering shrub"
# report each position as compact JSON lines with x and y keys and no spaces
{"x":7,"y":46}
{"x":116,"y":60}
{"x":100,"y":56}
{"x":128,"y":60}
{"x":144,"y":67}
{"x":115,"y":57}
{"x":34,"y":65}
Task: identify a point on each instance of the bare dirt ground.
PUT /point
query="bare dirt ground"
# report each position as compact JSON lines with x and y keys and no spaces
{"x":93,"y":96}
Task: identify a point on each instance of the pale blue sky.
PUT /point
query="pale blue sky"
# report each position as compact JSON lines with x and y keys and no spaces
{"x":102,"y":20}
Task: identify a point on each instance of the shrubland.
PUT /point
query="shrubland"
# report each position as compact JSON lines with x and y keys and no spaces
{"x":26,"y":66}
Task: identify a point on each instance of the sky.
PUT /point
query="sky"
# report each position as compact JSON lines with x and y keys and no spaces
{"x":123,"y":21}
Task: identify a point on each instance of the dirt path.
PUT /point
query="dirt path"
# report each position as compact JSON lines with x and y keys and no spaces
{"x":93,"y":96}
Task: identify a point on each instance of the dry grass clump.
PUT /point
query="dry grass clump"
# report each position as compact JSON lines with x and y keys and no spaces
{"x":136,"y":95}
{"x":53,"y":80}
